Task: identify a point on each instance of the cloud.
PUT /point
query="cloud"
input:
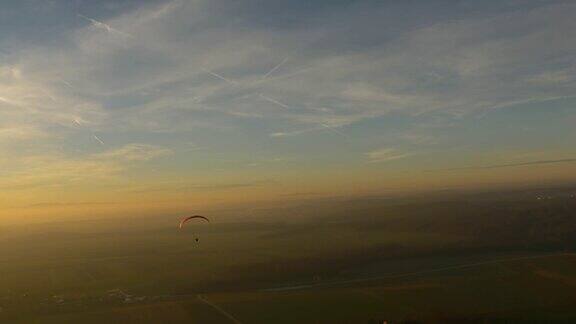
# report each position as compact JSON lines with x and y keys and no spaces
{"x":181,"y":50}
{"x":56,"y":170}
{"x":291,"y":72}
{"x":292,"y":133}
{"x":68,"y":204}
{"x":30,"y":103}
{"x":103,"y":26}
{"x":227,"y":186}
{"x":554,"y":77}
{"x":185,"y":187}
{"x":19,"y":133}
{"x":385,"y":155}
{"x":134,"y":152}
{"x":510,"y":165}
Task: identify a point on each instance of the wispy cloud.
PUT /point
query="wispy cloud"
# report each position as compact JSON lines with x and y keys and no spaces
{"x":134,"y":152}
{"x":509,"y":165}
{"x":285,"y":134}
{"x":104,"y":26}
{"x":54,"y":170}
{"x":187,"y":75}
{"x":69,"y":204}
{"x":226,"y":186}
{"x":403,"y":80}
{"x":386,"y":155}
{"x":180,"y":187}
{"x":554,"y":77}
{"x":20,"y":133}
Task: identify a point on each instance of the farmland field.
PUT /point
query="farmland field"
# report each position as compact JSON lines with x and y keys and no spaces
{"x":437,"y":262}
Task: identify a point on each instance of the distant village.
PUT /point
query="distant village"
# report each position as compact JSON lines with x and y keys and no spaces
{"x":117,"y":296}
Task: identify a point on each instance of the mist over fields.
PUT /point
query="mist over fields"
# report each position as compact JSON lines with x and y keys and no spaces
{"x":402,"y":245}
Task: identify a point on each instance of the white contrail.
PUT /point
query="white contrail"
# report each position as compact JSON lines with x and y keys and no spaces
{"x":49,"y":95}
{"x":274,"y":68}
{"x":273,"y":101}
{"x":98,"y":139}
{"x":219,"y":76}
{"x":67,"y":84}
{"x":331,"y":128}
{"x":219,"y":309}
{"x":286,"y":76}
{"x":101,"y":25}
{"x":263,"y":79}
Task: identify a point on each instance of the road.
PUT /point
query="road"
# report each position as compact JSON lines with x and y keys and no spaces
{"x":414,"y":273}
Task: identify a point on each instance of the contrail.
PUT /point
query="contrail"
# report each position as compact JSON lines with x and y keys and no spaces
{"x":263,"y":79}
{"x":98,"y":139}
{"x":10,"y":102}
{"x":219,"y":309}
{"x":331,"y":128}
{"x":284,"y":76}
{"x":273,"y":101}
{"x":274,"y":68}
{"x":67,"y":84}
{"x":219,"y":76}
{"x":49,"y":95}
{"x":101,"y":25}
{"x":408,"y":274}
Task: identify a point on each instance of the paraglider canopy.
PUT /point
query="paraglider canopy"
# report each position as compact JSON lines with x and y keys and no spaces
{"x":186,"y":219}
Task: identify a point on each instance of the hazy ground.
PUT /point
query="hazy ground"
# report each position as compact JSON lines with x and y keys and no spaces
{"x":475,"y":257}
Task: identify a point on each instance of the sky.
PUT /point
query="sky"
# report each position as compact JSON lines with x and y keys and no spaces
{"x":127,"y":107}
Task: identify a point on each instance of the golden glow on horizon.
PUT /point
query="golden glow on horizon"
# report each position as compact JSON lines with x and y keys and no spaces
{"x":44,"y":204}
{"x":143,"y":109}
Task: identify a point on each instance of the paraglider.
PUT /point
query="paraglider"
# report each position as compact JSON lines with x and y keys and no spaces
{"x":186,"y":219}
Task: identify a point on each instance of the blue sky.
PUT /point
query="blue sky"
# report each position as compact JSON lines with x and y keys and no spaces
{"x":101,"y":98}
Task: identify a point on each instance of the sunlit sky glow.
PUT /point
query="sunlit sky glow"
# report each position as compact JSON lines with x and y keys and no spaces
{"x":111,"y":106}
